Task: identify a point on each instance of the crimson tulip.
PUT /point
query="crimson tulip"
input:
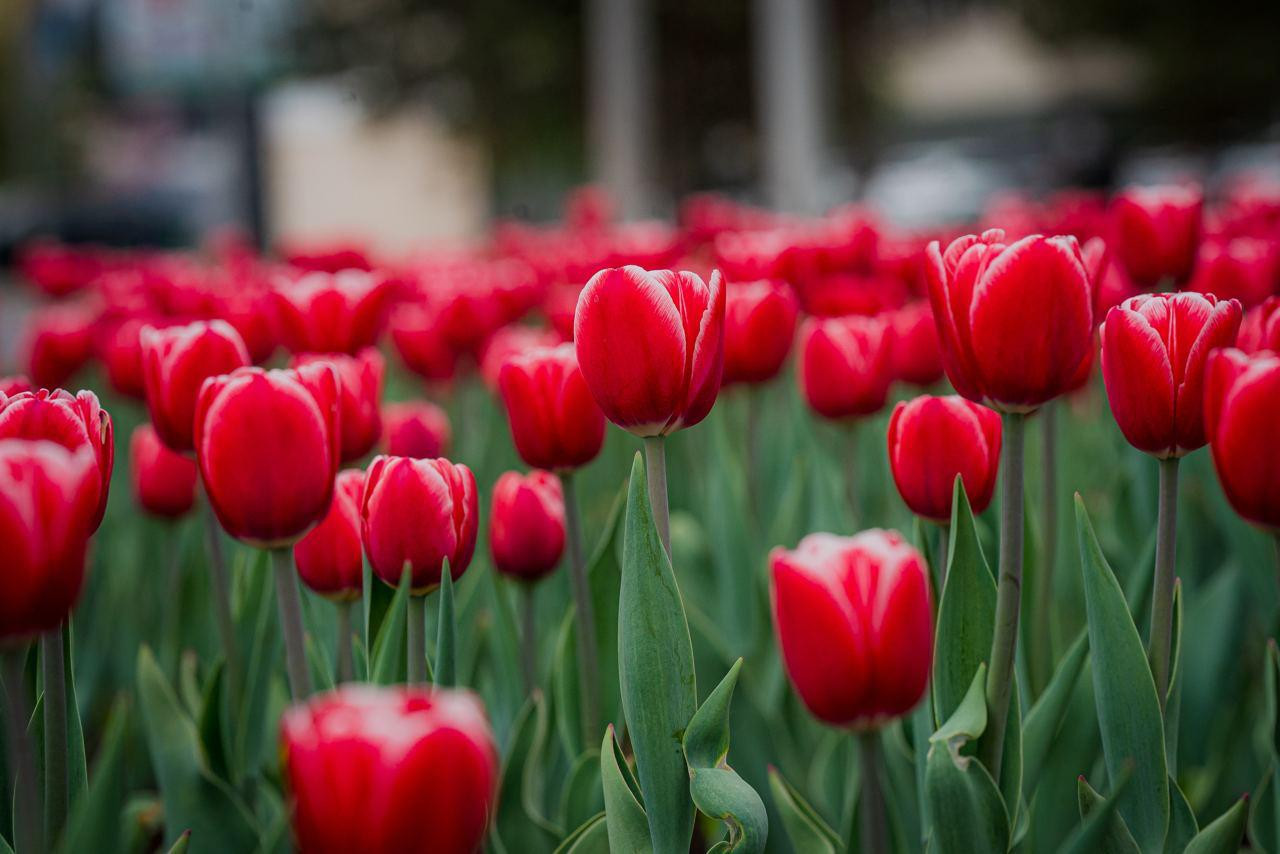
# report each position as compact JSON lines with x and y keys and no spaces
{"x":846,"y":364}
{"x":58,"y":342}
{"x":759,"y":325}
{"x":48,"y":497}
{"x":1240,"y":422}
{"x":651,"y":346}
{"x":508,"y":342}
{"x":933,"y":439}
{"x":555,"y":422}
{"x":1155,"y":231}
{"x":59,"y":269}
{"x":917,"y":358}
{"x":360,"y":381}
{"x":339,"y":312}
{"x":419,"y":513}
{"x":1243,"y":268}
{"x":416,"y":428}
{"x":15,"y":384}
{"x":1260,"y":327}
{"x":1153,"y":355}
{"x":854,"y":621}
{"x":268,"y":447}
{"x":330,"y":558}
{"x":1015,"y":321}
{"x":164,"y":481}
{"x":418,"y":337}
{"x":390,"y":771}
{"x":527,"y":524}
{"x":175,"y":362}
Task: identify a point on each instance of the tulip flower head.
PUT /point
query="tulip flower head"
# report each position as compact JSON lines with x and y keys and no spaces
{"x":330,"y":558}
{"x":175,"y":362}
{"x":360,"y":379}
{"x":933,"y":439}
{"x":416,"y":428}
{"x":1260,"y":327}
{"x":917,"y":358}
{"x":527,"y":524}
{"x":555,"y":422}
{"x":846,"y":364}
{"x":164,"y":481}
{"x":339,"y":312}
{"x":58,"y":342}
{"x":759,"y":325}
{"x":1240,"y":405}
{"x":1155,"y":231}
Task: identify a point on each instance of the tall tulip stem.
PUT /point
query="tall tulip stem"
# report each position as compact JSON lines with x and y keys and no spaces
{"x":290,"y":602}
{"x":851,"y":472}
{"x":1004,"y":641}
{"x":1162,"y":591}
{"x":417,"y":640}
{"x":346,"y":666}
{"x":588,"y":667}
{"x":874,"y":829}
{"x":28,"y":829}
{"x":751,"y":397}
{"x":221,"y":601}
{"x":655,"y":462}
{"x":1042,"y":639}
{"x":528,"y":637}
{"x":55,"y":732}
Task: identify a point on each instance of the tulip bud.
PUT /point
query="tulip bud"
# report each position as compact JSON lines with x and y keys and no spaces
{"x":1153,"y":355}
{"x":331,"y":312}
{"x":419,"y":513}
{"x":917,"y":358}
{"x":651,"y":346}
{"x":1260,"y":327}
{"x":555,"y":422}
{"x":330,"y":558}
{"x":759,"y":325}
{"x":418,"y":338}
{"x":121,"y":354}
{"x":1155,"y":231}
{"x":1015,"y":321}
{"x":58,"y":342}
{"x":846,"y":364}
{"x":360,"y":382}
{"x":855,"y":625}
{"x":527,"y":524}
{"x":1242,"y":268}
{"x":175,"y":362}
{"x":48,"y":496}
{"x":416,"y":428}
{"x":509,"y":342}
{"x":268,"y":443}
{"x":390,"y":771}
{"x":164,"y":481}
{"x":1240,"y":422}
{"x":933,"y":439}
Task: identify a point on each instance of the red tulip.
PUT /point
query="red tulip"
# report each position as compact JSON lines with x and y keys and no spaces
{"x":846,"y":364}
{"x":420,"y":513}
{"x":1240,"y":422}
{"x":48,"y":496}
{"x":330,"y":558}
{"x":1155,"y":231}
{"x":175,"y":362}
{"x":651,"y":346}
{"x":58,"y":342}
{"x":268,"y":446}
{"x":331,"y":257}
{"x":508,"y":342}
{"x":164,"y":481}
{"x":15,"y":384}
{"x":417,"y":336}
{"x":854,"y":622}
{"x":555,"y":422}
{"x":1153,"y":355}
{"x":526,"y":524}
{"x":759,"y":325}
{"x":58,"y":269}
{"x":933,"y":439}
{"x":1015,"y":321}
{"x":74,"y":422}
{"x":416,"y":428}
{"x":390,"y":771}
{"x":360,"y":381}
{"x":331,"y":312}
{"x":1243,"y":268}
{"x":1260,"y":327}
{"x":917,"y":357}
{"x":121,"y":354}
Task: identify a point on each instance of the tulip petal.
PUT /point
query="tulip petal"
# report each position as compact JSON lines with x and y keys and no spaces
{"x":1139,"y":380}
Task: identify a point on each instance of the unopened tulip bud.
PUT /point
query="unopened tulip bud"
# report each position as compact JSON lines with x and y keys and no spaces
{"x":933,"y":439}
{"x":330,"y":558}
{"x":555,"y":422}
{"x":176,"y":361}
{"x":164,"y":481}
{"x":527,"y":524}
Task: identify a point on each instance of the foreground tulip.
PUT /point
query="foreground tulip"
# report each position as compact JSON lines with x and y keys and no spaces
{"x":1240,"y":407}
{"x":846,"y":364}
{"x":360,"y":380}
{"x":164,"y":481}
{"x":390,"y":771}
{"x":332,"y":312}
{"x":1260,"y":328}
{"x":1155,"y":231}
{"x":555,"y":422}
{"x":933,"y":439}
{"x":759,"y":325}
{"x":176,"y":361}
{"x":416,"y":428}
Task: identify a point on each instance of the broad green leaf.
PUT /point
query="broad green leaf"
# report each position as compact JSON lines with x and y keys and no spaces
{"x":182,"y":845}
{"x":1223,"y":834}
{"x":628,"y":826}
{"x":446,"y":637}
{"x":1263,"y":831}
{"x":655,"y":671}
{"x":94,"y":823}
{"x":519,"y":821}
{"x":969,"y":720}
{"x":1046,"y":715}
{"x":321,"y":667}
{"x":258,"y":633}
{"x":581,"y":797}
{"x":1271,"y":681}
{"x":1182,"y":820}
{"x":1125,"y":694}
{"x":921,"y":725}
{"x":1111,"y":835}
{"x":209,"y":723}
{"x":1092,"y":834}
{"x":390,"y":653}
{"x":591,"y":837}
{"x":804,"y":827}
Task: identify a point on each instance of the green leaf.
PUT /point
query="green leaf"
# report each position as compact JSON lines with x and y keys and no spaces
{"x":1045,"y":717}
{"x":183,"y":843}
{"x":258,"y":633}
{"x":969,"y":720}
{"x":1262,"y":818}
{"x":1271,"y":679}
{"x":591,"y":837}
{"x":390,"y":656}
{"x":1182,"y":820}
{"x":209,"y":723}
{"x":94,"y":824}
{"x":656,"y":672}
{"x":1125,"y":694}
{"x":1173,"y":697}
{"x":1108,"y":831}
{"x":519,"y":822}
{"x":582,"y":798}
{"x":804,"y":827}
{"x":446,"y":631}
{"x":1223,"y":834}
{"x":717,"y":790}
{"x":628,"y":826}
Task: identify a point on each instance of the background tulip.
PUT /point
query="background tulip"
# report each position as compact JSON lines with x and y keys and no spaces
{"x":509,"y":342}
{"x":554,"y":420}
{"x":933,"y":439}
{"x":339,"y":312}
{"x":527,"y":524}
{"x":360,"y":381}
{"x":1242,"y":268}
{"x":846,"y":364}
{"x":651,"y":346}
{"x":330,"y":558}
{"x":416,"y":428}
{"x":916,"y":355}
{"x":164,"y":481}
{"x":418,"y":338}
{"x":1153,"y":356}
{"x":15,"y":384}
{"x":1155,"y":231}
{"x":390,"y":771}
{"x":58,"y":341}
{"x":1260,"y":327}
{"x":176,"y":361}
{"x":1241,"y":392}
{"x":855,"y":625}
{"x":759,"y":325}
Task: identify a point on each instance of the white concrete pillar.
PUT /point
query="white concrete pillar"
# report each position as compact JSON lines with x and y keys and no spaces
{"x":787,"y":64}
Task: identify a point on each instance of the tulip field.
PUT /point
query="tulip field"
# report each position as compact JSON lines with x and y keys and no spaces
{"x":742,"y":532}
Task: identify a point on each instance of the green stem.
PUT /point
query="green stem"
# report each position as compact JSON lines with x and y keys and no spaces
{"x":221,"y":602}
{"x":584,"y":605}
{"x":655,"y":462}
{"x":346,"y":666}
{"x":55,"y":732}
{"x":1041,"y":629}
{"x":417,"y":639}
{"x":851,"y":472}
{"x":1004,"y":642}
{"x":287,"y":597}
{"x":528,"y":637}
{"x":751,"y":395}
{"x":1162,"y":590}
{"x":28,"y":826}
{"x":874,"y":827}
{"x":171,"y":606}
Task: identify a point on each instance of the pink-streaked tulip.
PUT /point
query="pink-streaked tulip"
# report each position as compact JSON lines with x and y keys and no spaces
{"x":415,"y":428}
{"x":58,"y":342}
{"x":390,"y":771}
{"x":72,"y":421}
{"x":1242,"y":268}
{"x":917,"y":358}
{"x":164,"y":481}
{"x":846,"y":364}
{"x":419,"y":513}
{"x":1154,"y":349}
{"x":555,"y":422}
{"x":759,"y":326}
{"x":1014,"y":321}
{"x":360,"y":379}
{"x":268,"y":446}
{"x":855,"y":624}
{"x":15,"y":384}
{"x":508,"y":342}
{"x":339,"y":312}
{"x":527,"y":524}
{"x":933,"y":439}
{"x":330,"y":558}
{"x":651,"y":346}
{"x":1260,"y":327}
{"x":1155,"y":230}
{"x":1240,"y":422}
{"x":48,"y":496}
{"x":175,"y":362}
